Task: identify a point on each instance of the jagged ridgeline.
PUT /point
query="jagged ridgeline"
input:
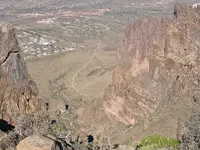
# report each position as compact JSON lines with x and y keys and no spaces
{"x":18,"y":93}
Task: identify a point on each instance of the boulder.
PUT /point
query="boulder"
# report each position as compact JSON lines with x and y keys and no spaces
{"x":37,"y":142}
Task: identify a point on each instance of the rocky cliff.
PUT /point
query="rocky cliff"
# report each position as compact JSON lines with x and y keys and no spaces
{"x":159,"y":67}
{"x":18,"y":93}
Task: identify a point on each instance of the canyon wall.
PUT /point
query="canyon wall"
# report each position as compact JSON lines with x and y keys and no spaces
{"x":159,"y":66}
{"x":18,"y":93}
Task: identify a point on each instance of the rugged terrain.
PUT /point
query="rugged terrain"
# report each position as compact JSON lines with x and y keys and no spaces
{"x":58,"y":35}
{"x":18,"y":93}
{"x":90,"y":34}
{"x":149,"y":86}
{"x":157,"y":77}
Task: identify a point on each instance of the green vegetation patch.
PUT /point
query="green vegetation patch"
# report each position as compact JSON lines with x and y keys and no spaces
{"x":158,"y":141}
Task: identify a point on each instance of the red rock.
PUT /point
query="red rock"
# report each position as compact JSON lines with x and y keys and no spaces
{"x":158,"y":64}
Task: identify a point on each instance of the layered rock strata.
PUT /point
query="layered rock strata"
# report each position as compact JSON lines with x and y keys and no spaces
{"x":159,"y":64}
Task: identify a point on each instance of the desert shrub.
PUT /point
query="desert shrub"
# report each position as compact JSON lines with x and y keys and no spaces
{"x":10,"y":140}
{"x":42,"y":124}
{"x":157,"y":141}
{"x":62,"y":128}
{"x":190,"y":138}
{"x":25,"y":125}
{"x":63,"y":125}
{"x":30,"y":124}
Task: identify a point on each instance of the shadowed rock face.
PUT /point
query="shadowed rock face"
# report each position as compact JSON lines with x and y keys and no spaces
{"x":159,"y":65}
{"x":18,"y":94}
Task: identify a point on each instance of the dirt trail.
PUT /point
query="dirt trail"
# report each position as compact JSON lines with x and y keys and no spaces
{"x":77,"y":72}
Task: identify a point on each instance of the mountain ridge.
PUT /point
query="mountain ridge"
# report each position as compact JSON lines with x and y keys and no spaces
{"x":158,"y":60}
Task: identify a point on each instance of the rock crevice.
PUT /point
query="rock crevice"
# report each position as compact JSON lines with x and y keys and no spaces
{"x":6,"y":58}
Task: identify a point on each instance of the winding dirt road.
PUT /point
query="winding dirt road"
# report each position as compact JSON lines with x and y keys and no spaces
{"x":77,"y":72}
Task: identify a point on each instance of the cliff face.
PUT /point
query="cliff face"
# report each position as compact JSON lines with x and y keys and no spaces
{"x":18,"y":93}
{"x":159,"y":65}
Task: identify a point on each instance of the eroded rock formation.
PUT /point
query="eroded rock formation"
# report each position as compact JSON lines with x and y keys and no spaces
{"x":18,"y":93}
{"x":159,"y":65}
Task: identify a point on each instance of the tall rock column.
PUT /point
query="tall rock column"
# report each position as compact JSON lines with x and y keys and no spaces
{"x":18,"y":93}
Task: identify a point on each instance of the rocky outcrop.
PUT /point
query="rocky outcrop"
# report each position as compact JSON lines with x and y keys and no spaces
{"x":18,"y":93}
{"x":159,"y":66}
